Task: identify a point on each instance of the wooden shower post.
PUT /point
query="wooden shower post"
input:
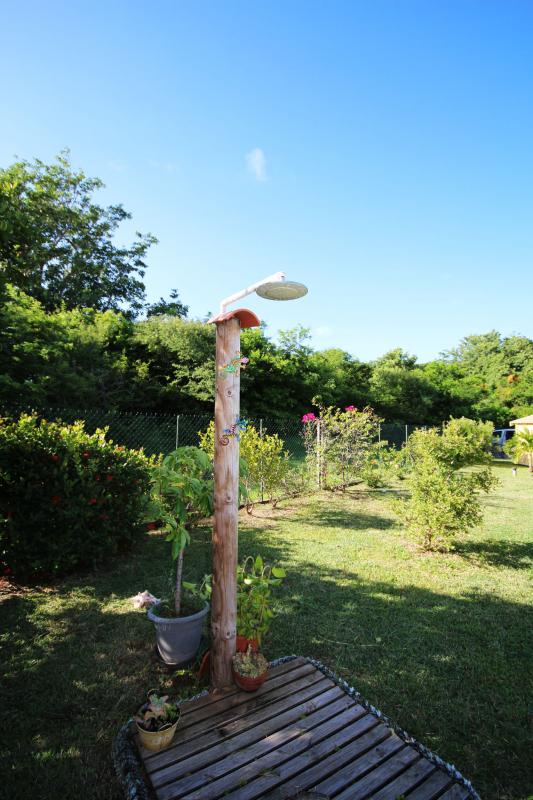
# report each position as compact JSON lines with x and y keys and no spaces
{"x":225,"y":529}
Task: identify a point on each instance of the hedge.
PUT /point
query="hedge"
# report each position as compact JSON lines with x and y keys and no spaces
{"x":68,"y":499}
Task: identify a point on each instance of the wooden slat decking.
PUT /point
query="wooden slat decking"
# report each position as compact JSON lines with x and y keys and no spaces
{"x":299,"y":736}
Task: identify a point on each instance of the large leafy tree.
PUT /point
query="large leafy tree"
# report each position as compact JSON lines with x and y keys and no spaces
{"x":170,"y":308}
{"x":57,"y":244}
{"x":67,"y":358}
{"x":399,"y":389}
{"x":174,"y":360}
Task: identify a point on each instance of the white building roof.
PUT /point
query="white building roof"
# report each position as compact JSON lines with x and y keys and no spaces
{"x":523,"y":420}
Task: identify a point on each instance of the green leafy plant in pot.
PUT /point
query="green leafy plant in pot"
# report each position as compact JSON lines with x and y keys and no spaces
{"x":250,"y":670}
{"x":255,"y":581}
{"x":157,"y":721}
{"x":182,"y":495}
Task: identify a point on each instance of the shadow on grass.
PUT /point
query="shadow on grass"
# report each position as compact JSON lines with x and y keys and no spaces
{"x":74,"y":675}
{"x":453,"y":670}
{"x":324,"y":517}
{"x":497,"y":553}
{"x":77,"y":661}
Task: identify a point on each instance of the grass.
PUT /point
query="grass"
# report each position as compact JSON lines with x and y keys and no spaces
{"x":442,"y":643}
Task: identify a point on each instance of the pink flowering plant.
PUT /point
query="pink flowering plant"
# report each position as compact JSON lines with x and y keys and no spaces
{"x":340,"y":442}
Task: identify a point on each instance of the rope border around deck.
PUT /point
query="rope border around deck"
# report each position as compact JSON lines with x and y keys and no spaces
{"x":135,"y":786}
{"x":452,"y":771}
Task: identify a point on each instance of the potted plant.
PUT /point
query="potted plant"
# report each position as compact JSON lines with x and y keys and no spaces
{"x":250,"y":670}
{"x":182,"y":495}
{"x":255,"y":580}
{"x":157,"y":721}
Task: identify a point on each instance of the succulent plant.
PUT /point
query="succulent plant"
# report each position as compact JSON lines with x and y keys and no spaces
{"x":250,"y":664}
{"x":157,"y":713}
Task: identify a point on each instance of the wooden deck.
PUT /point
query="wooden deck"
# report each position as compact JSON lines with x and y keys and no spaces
{"x":299,"y":736}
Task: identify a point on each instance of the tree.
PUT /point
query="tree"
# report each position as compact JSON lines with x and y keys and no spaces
{"x":74,"y":358}
{"x":521,"y":445}
{"x":500,"y":371}
{"x":57,"y":244}
{"x":443,"y":499}
{"x":400,"y":390}
{"x":294,"y":342}
{"x":174,"y":360}
{"x":170,"y":308}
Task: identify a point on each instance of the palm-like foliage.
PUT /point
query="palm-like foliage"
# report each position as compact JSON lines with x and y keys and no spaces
{"x":521,"y":445}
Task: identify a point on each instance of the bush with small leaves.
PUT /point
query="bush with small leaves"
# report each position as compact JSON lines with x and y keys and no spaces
{"x":443,"y":497}
{"x":68,"y":499}
{"x":266,"y":465}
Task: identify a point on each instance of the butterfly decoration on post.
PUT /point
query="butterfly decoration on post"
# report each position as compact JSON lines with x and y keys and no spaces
{"x":233,"y":366}
{"x":234,"y":432}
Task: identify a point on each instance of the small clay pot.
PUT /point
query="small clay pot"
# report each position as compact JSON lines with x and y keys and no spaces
{"x":249,"y":684}
{"x":243,"y":643}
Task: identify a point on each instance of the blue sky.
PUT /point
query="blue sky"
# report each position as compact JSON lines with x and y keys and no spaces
{"x":381,"y":152}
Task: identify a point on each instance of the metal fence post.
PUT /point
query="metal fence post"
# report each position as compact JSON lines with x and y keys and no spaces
{"x":406,"y":434}
{"x":177,"y":430}
{"x":262,"y":481}
{"x":318,"y":464}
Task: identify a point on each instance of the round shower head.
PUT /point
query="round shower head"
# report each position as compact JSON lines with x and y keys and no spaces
{"x":281,"y":290}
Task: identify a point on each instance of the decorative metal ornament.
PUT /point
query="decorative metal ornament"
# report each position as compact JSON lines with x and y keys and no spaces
{"x":234,"y":432}
{"x":232,"y":368}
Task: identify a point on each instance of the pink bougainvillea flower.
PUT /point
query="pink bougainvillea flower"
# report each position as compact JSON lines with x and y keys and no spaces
{"x":151,"y":526}
{"x":55,"y":457}
{"x":93,"y":501}
{"x":310,"y":417}
{"x":109,"y":478}
{"x":97,"y":477}
{"x":86,"y":454}
{"x":56,"y":499}
{"x":350,"y":408}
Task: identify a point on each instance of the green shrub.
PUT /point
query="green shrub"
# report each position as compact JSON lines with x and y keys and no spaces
{"x":68,"y":499}
{"x":379,"y":467}
{"x":443,"y":498}
{"x":266,"y":461}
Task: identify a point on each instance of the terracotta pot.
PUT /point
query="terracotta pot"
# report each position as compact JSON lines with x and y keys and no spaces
{"x":243,"y":643}
{"x":205,"y":665}
{"x":249,"y":684}
{"x":157,"y":740}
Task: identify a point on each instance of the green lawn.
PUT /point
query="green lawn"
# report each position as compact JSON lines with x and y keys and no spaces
{"x":441,"y":643}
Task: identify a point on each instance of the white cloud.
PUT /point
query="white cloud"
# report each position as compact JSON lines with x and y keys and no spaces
{"x":256,"y":162}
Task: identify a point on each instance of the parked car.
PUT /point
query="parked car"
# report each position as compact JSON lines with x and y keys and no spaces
{"x":499,"y":437}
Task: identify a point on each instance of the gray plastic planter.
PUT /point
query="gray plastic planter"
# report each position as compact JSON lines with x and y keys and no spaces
{"x":178,"y":638}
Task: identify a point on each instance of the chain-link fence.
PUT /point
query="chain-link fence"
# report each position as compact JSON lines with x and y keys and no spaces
{"x":395,"y":433}
{"x":161,"y":433}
